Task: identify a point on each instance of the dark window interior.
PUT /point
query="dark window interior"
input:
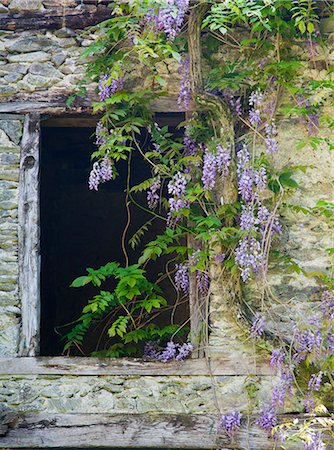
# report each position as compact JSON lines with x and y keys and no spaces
{"x":82,"y":228}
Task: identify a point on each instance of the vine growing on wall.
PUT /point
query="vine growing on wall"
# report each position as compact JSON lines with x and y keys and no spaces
{"x":217,"y":189}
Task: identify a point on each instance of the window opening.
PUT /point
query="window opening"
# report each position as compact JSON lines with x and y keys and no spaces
{"x":82,"y":228}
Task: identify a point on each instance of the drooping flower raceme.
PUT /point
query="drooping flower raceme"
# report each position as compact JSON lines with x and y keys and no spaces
{"x":101,"y":134}
{"x":169,"y":17}
{"x":153,"y":193}
{"x":259,"y":325}
{"x":230,"y":423}
{"x":177,"y":188}
{"x":223,"y":159}
{"x":108,"y":88}
{"x":267,"y":419}
{"x":184,"y":97}
{"x":101,"y":172}
{"x":190,"y":146}
{"x":182,"y":277}
{"x":255,"y":100}
{"x":172,"y":351}
{"x":271,"y":140}
{"x":209,"y":170}
{"x":315,"y":442}
{"x":248,"y":257}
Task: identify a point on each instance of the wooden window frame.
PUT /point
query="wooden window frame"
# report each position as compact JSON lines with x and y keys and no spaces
{"x":29,"y":238}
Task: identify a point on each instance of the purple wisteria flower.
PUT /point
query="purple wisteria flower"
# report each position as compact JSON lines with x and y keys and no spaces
{"x":267,"y":420}
{"x":306,"y":342}
{"x":255,"y":100}
{"x":245,"y":174}
{"x":184,"y":351}
{"x":231,"y":423}
{"x":327,"y":304}
{"x":169,"y":352}
{"x":223,"y":159}
{"x":151,"y":351}
{"x":248,"y":257}
{"x":247,"y":219}
{"x":209,"y":170}
{"x":178,"y":185}
{"x":259,"y":325}
{"x":312,"y":45}
{"x":101,"y":134}
{"x":203,"y":282}
{"x":153,"y":193}
{"x":108,"y":88}
{"x":277,"y":358}
{"x":219,"y":258}
{"x":260,"y":178}
{"x":268,"y":221}
{"x":270,"y":140}
{"x":182,"y":278}
{"x":282,"y":388}
{"x":315,"y":442}
{"x":184,"y":97}
{"x":190,"y":146}
{"x":313,"y":385}
{"x":172,"y":351}
{"x":101,"y":172}
{"x":169,"y":17}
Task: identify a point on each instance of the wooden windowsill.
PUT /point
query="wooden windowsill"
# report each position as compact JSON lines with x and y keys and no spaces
{"x":60,"y":365}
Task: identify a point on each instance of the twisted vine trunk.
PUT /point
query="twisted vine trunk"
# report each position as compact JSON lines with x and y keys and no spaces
{"x":222,"y":308}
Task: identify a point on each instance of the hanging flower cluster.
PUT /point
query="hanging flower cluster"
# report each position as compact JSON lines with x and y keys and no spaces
{"x":172,"y":351}
{"x":169,"y":17}
{"x":153,"y":193}
{"x":101,"y":172}
{"x":231,"y":423}
{"x":108,"y":87}
{"x":215,"y":164}
{"x":255,"y":217}
{"x":184,"y":97}
{"x":312,"y":342}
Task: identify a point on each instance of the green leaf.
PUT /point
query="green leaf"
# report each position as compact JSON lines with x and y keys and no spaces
{"x":81,"y":281}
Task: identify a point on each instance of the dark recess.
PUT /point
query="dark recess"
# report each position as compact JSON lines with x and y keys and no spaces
{"x":82,"y":228}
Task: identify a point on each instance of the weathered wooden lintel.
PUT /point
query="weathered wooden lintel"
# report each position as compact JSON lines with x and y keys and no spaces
{"x":55,"y":17}
{"x":130,"y":367}
{"x":186,"y":431}
{"x":55,"y":104}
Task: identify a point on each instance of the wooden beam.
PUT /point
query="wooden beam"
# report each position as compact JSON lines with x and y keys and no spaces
{"x":55,"y":18}
{"x":54,"y":103}
{"x":28,"y":236}
{"x":186,"y":431}
{"x":130,"y":366}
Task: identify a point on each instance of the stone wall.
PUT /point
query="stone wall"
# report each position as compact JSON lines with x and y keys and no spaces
{"x":10,"y":138}
{"x":47,"y":62}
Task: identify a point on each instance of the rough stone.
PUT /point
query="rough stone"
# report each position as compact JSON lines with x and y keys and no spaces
{"x":14,"y":68}
{"x":31,"y":44}
{"x":58,"y":59}
{"x":37,"y":81}
{"x":25,"y":5}
{"x":5,"y":142}
{"x":30,"y":57}
{"x":13,"y":129}
{"x":13,"y":77}
{"x":6,"y":90}
{"x":65,"y":33}
{"x":45,"y":70}
{"x":9,"y":334}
